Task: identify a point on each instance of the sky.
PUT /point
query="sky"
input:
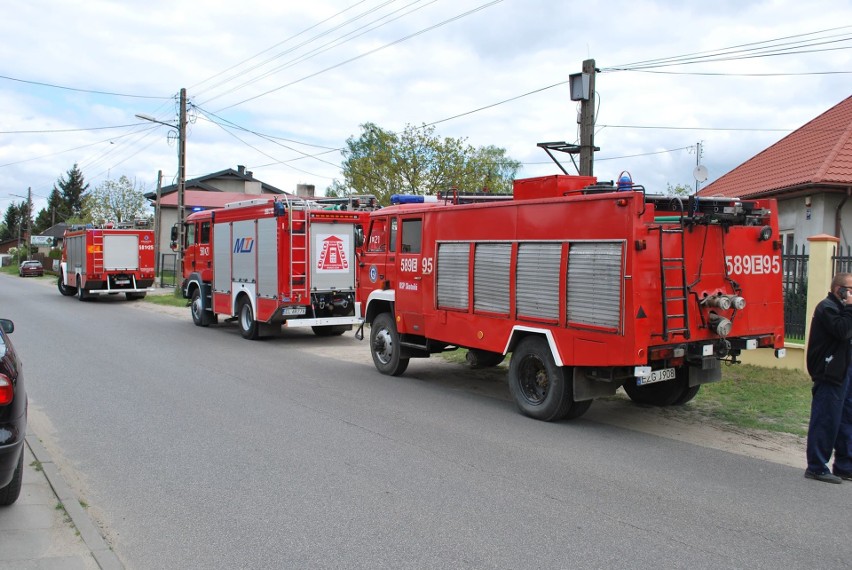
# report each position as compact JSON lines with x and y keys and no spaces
{"x":278,"y":87}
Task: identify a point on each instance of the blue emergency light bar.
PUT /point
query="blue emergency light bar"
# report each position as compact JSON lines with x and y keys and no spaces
{"x":411,"y":199}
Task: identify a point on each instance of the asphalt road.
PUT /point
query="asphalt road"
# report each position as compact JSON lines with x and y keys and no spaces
{"x":194,"y":448}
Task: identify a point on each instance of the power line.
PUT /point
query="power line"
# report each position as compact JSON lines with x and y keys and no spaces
{"x":53,"y":86}
{"x":365,"y":54}
{"x":71,"y":130}
{"x":327,"y":46}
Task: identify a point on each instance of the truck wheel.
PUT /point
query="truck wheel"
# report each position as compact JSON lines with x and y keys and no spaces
{"x":66,"y":290}
{"x":200,"y":317}
{"x":666,"y":393}
{"x":541,"y":389}
{"x":10,"y":493}
{"x":483,"y":358}
{"x":245,"y":316}
{"x":384,"y":345}
{"x":82,"y":294}
{"x":687,"y":396}
{"x":331,"y":330}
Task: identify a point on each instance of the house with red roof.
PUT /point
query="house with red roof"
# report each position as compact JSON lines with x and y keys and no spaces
{"x":809,"y":173}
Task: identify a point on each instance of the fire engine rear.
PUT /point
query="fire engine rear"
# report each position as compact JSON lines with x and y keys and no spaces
{"x":272,"y":262}
{"x":107,"y":261}
{"x":590,"y":288}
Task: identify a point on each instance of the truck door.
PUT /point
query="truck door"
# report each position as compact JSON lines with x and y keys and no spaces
{"x":409,"y":288}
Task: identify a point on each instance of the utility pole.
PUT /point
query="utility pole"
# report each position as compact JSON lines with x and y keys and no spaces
{"x":29,"y":220}
{"x":157,"y":228}
{"x":181,"y":176}
{"x":587,"y":123}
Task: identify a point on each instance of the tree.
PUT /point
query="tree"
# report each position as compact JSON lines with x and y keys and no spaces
{"x":681,"y":190}
{"x":47,"y":217}
{"x":417,"y":161}
{"x":71,"y":191}
{"x":115,"y":201}
{"x":12,"y":220}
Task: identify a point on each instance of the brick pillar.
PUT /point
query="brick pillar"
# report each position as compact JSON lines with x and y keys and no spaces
{"x":820,"y":273}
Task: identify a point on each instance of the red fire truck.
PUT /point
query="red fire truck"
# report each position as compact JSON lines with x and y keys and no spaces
{"x":270,"y":262}
{"x":590,"y":288}
{"x":107,"y":261}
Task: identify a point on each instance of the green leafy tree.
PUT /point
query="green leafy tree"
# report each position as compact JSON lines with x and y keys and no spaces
{"x":115,"y":201}
{"x":682,"y":190}
{"x":71,"y":190}
{"x":417,"y":161}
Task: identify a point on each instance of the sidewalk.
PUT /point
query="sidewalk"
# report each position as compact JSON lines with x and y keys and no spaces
{"x":47,"y":529}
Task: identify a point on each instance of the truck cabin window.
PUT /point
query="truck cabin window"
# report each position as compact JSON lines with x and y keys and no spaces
{"x":411,"y":234}
{"x":205,"y":232}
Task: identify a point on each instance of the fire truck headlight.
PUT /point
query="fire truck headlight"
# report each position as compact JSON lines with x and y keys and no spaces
{"x":738,"y":302}
{"x":720,"y":325}
{"x":765,"y":233}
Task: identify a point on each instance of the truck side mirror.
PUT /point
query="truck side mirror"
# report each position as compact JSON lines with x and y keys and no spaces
{"x":174,"y":235}
{"x":359,"y":235}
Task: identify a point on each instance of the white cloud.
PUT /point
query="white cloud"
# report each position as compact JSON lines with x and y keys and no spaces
{"x":497,"y":53}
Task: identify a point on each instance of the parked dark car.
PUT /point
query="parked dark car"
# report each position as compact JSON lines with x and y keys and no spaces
{"x":13,"y":418}
{"x":31,"y":268}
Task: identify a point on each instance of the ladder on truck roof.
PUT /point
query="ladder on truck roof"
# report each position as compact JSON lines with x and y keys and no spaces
{"x":673,"y":284}
{"x":299,"y":244}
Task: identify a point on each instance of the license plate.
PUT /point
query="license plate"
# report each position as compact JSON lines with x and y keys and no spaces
{"x":657,"y":376}
{"x":293,"y":311}
{"x":122,"y":281}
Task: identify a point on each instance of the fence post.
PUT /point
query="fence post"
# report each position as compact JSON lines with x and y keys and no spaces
{"x":820,"y":272}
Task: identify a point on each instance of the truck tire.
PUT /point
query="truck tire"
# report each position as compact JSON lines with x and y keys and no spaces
{"x":384,"y":346}
{"x":82,"y":294}
{"x":245,"y":317}
{"x":200,"y":317}
{"x":66,"y":290}
{"x":10,"y":493}
{"x":668,"y":393}
{"x":331,"y":330}
{"x":541,"y":389}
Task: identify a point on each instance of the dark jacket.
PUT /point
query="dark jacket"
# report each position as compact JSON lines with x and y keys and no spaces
{"x":829,"y":341}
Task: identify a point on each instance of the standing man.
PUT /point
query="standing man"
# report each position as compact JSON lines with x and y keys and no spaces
{"x":829,"y":360}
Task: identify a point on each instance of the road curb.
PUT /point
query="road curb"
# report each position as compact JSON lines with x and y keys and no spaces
{"x":89,"y":532}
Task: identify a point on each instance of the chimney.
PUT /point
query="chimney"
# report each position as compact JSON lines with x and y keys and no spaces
{"x":241,"y":170}
{"x":305,"y":190}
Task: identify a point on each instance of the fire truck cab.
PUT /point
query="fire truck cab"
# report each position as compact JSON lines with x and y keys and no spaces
{"x":590,"y":288}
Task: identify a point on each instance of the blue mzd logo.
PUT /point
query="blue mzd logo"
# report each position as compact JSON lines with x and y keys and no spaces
{"x":243,"y":245}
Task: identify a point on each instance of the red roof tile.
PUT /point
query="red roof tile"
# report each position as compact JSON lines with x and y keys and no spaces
{"x":817,"y":154}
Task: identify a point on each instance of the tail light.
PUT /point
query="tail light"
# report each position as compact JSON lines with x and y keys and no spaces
{"x":7,"y":390}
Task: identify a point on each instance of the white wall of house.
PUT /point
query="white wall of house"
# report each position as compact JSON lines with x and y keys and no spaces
{"x":797,"y":221}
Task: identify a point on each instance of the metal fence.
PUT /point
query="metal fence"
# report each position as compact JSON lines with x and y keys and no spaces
{"x":795,"y":263}
{"x":168,"y":270}
{"x":795,"y":279}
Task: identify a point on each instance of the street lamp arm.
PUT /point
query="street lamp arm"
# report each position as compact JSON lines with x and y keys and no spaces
{"x":153,"y":120}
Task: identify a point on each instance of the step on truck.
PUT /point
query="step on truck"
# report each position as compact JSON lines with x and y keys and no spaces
{"x":273,"y":262}
{"x":107,"y":260}
{"x":589,"y":286}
